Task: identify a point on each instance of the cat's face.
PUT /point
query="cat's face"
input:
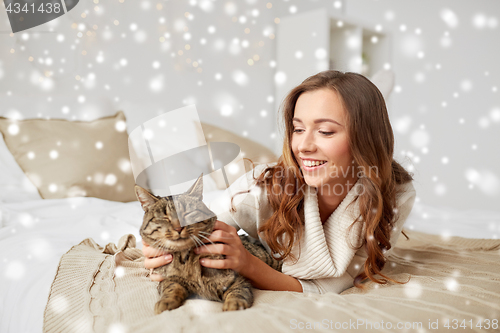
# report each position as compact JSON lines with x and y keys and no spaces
{"x":177,"y":222}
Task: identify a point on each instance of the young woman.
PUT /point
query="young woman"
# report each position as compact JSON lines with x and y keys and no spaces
{"x":331,"y":207}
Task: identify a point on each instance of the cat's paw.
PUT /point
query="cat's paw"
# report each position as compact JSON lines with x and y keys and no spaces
{"x":234,"y":304}
{"x":166,"y":304}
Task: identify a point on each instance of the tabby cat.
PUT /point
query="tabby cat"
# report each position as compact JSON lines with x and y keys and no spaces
{"x":161,"y":229}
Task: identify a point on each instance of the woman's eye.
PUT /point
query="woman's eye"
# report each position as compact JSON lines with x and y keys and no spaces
{"x":296,"y":130}
{"x":327,"y":133}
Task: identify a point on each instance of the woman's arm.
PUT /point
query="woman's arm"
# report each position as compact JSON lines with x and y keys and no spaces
{"x":264,"y":277}
{"x":239,"y":259}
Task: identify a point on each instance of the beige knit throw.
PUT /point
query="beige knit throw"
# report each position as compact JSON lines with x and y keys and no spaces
{"x":455,"y":279}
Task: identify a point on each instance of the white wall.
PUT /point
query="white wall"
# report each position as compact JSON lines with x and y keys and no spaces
{"x":449,"y":97}
{"x":118,"y":62}
{"x":117,"y":71}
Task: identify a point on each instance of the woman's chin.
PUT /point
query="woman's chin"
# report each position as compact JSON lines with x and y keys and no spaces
{"x":314,"y":182}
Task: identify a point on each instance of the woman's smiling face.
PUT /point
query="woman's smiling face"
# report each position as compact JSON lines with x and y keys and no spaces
{"x":320,"y":136}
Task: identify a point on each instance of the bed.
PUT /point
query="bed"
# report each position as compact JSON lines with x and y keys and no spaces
{"x":452,"y":257}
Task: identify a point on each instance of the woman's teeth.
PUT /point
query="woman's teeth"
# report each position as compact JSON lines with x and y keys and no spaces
{"x":309,"y":163}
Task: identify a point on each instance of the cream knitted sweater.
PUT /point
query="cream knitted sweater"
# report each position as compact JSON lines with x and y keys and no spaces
{"x":326,"y":262}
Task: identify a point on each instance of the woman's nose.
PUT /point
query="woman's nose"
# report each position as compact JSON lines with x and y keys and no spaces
{"x":307,"y":143}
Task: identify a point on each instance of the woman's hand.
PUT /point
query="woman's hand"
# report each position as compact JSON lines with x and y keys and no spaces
{"x":155,"y":258}
{"x":237,"y":256}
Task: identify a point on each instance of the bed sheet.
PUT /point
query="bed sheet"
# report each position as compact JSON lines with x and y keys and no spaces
{"x":34,"y":236}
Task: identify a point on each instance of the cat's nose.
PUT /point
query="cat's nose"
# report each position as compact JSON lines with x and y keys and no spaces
{"x":179,"y":229}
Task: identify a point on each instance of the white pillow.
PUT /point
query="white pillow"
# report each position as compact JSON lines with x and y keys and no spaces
{"x":14,"y":185}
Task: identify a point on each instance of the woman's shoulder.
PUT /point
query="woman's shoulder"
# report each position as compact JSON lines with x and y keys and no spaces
{"x":248,"y":180}
{"x":405,"y":194}
{"x":245,"y":197}
{"x":260,"y":168}
{"x":406,"y":188}
{"x":257,"y":171}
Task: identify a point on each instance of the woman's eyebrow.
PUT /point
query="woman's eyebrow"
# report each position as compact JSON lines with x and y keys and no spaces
{"x":320,"y":120}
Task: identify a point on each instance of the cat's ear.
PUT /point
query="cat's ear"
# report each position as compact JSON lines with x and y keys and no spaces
{"x":196,"y":190}
{"x":145,"y":198}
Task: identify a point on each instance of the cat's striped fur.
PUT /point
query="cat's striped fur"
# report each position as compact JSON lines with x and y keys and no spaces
{"x":162,"y":229}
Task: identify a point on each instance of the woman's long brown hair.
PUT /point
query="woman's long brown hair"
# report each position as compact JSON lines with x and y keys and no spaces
{"x":371,"y":142}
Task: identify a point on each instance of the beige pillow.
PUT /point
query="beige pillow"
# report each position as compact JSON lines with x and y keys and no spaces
{"x":250,"y":149}
{"x":73,"y":158}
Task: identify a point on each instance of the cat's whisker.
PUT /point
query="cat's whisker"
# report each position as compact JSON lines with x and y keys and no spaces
{"x":165,"y":243}
{"x":202,"y":233}
{"x":207,"y":240}
{"x":199,"y":241}
{"x":196,"y":240}
{"x":157,"y":244}
{"x":202,"y":244}
{"x":154,"y":245}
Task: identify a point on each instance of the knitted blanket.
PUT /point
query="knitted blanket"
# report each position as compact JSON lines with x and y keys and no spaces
{"x":454,"y":285}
